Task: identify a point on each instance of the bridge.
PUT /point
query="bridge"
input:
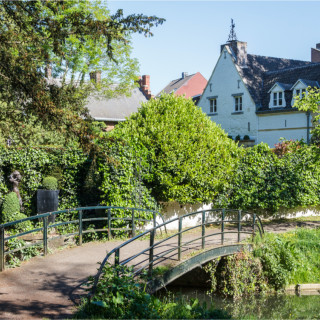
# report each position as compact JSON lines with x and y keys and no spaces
{"x":218,"y":232}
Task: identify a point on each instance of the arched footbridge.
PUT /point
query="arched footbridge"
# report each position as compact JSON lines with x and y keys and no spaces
{"x":47,"y":285}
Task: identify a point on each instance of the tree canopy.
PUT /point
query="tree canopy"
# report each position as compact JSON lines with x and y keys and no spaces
{"x":72,"y":38}
{"x":183,"y":154}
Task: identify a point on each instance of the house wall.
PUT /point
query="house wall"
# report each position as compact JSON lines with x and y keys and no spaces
{"x":226,"y":81}
{"x":272,"y":127}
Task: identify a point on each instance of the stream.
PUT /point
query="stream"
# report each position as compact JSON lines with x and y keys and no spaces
{"x":280,"y":306}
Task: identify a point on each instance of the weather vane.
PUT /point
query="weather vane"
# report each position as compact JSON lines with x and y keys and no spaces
{"x":232,"y":34}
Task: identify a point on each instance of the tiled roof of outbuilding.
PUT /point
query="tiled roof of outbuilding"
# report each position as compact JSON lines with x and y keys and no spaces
{"x":175,"y":84}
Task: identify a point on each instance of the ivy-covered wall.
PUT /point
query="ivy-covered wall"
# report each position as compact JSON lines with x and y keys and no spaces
{"x":69,"y":166}
{"x":267,"y":182}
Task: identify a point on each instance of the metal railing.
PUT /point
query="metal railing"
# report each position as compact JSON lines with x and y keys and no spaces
{"x":228,"y":221}
{"x":132,"y":222}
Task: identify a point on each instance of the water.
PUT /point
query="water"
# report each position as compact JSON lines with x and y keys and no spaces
{"x":280,"y":306}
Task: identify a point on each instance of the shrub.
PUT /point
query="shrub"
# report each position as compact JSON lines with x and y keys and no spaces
{"x":246,"y":137}
{"x":119,"y":295}
{"x":50,"y":183}
{"x":11,"y":212}
{"x":237,"y":138}
{"x":185,"y":156}
{"x":10,"y":207}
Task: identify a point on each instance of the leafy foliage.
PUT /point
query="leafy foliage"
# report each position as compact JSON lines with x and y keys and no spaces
{"x":73,"y":38}
{"x":50,"y":183}
{"x":120,"y":296}
{"x":267,"y":183}
{"x":187,"y":157}
{"x":237,"y":276}
{"x":310,"y":102}
{"x":10,"y":207}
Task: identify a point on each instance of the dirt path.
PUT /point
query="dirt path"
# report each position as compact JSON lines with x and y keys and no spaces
{"x":48,"y":287}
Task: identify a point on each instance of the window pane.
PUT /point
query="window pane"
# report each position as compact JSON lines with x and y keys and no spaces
{"x":211,"y":106}
{"x":297,"y":92}
{"x":237,"y":103}
{"x":240,"y":104}
{"x":280,"y":98}
{"x":215,"y":105}
{"x":275,"y":99}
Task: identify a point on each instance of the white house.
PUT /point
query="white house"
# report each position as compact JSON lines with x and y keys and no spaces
{"x":251,"y":96}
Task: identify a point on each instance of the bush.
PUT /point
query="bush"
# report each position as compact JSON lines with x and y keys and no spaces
{"x":184,"y":156}
{"x":11,"y":212}
{"x":10,"y":207}
{"x":121,"y":296}
{"x":246,"y":137}
{"x":50,"y":183}
{"x":237,"y":138}
{"x":265,"y":182}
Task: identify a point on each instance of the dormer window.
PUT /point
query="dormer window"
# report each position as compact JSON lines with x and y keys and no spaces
{"x":299,"y":89}
{"x":277,"y":99}
{"x":277,"y":95}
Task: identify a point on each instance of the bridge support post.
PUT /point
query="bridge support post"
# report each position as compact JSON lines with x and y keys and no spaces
{"x":2,"y":255}
{"x":151,"y":252}
{"x":222,"y":226}
{"x":45,"y":235}
{"x":133,"y":226}
{"x":239,"y":225}
{"x":203,"y":228}
{"x":179,"y":239}
{"x":109,"y":224}
{"x":80,"y":228}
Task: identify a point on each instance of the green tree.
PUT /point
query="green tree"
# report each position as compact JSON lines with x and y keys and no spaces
{"x":186,"y":156}
{"x":73,"y":38}
{"x":310,"y":102}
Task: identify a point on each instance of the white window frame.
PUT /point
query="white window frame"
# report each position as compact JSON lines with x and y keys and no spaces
{"x":277,"y":99}
{"x":238,"y":103}
{"x":213,"y":105}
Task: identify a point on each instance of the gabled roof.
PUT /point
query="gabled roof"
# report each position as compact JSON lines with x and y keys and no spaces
{"x":116,"y":109}
{"x":283,"y":86}
{"x":310,"y":71}
{"x":174,"y":85}
{"x":188,"y":85}
{"x":258,"y":66}
{"x":307,"y":83}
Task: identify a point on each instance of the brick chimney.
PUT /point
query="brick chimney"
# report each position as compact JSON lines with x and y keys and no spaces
{"x":144,"y":83}
{"x":95,"y":76}
{"x":315,"y":53}
{"x":239,"y":49}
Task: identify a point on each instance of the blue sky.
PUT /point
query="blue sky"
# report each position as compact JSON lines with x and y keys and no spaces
{"x":190,"y":39}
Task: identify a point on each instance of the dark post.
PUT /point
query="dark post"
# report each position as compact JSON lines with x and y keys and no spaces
{"x":109,"y":224}
{"x":133,"y":225}
{"x":239,"y":225}
{"x":179,"y":238}
{"x":117,"y":257}
{"x":45,"y":235}
{"x":203,"y":229}
{"x":151,"y":251}
{"x":253,"y":223}
{"x":155,"y":221}
{"x":80,"y":228}
{"x":2,"y":257}
{"x":222,"y":226}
